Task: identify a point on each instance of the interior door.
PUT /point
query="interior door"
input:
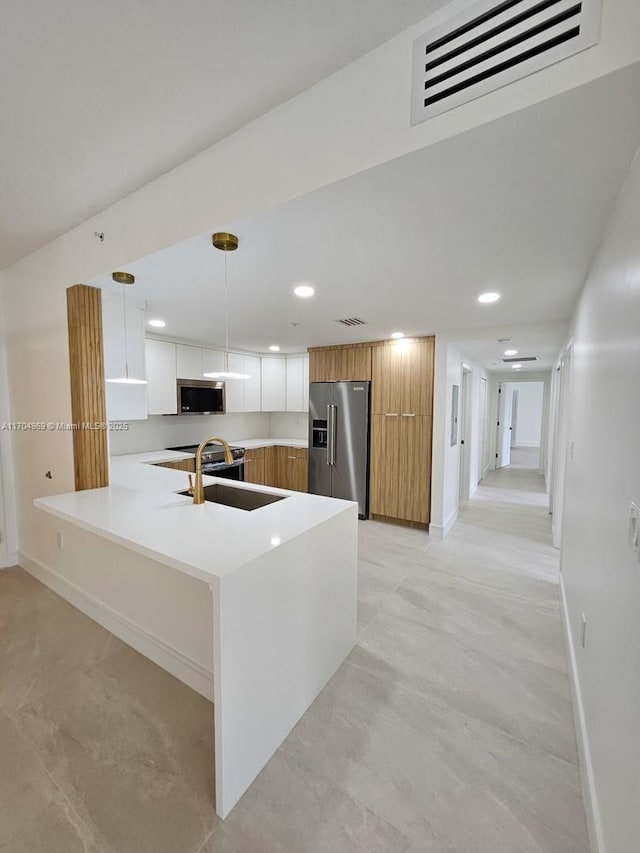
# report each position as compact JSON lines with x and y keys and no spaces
{"x":514,"y":417}
{"x":482,"y":421}
{"x":505,"y":395}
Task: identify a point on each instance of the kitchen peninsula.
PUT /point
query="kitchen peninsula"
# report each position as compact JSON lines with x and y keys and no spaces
{"x":254,"y":609}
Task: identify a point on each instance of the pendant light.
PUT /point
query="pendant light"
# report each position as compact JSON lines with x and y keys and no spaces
{"x":125,"y":279}
{"x":225,"y":242}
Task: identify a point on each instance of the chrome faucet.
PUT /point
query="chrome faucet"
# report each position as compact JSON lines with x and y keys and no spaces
{"x":198,"y":490}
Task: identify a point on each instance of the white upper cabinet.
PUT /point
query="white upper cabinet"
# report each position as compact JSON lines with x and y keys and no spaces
{"x":305,"y":383}
{"x":161,"y":378}
{"x":234,"y":388}
{"x":243,"y":395}
{"x":294,"y":384}
{"x":212,"y":361}
{"x":189,"y":362}
{"x":253,"y":385}
{"x":123,"y":402}
{"x":274,"y":385}
{"x":297,"y":383}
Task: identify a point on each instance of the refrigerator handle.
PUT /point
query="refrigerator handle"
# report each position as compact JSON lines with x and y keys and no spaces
{"x":331,"y":434}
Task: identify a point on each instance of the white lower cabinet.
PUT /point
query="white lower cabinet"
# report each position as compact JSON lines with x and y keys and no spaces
{"x":162,"y":374}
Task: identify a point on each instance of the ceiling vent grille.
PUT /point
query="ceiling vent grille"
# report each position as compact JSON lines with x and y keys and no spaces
{"x":518,"y":360}
{"x":492,"y":44}
{"x":352,"y":321}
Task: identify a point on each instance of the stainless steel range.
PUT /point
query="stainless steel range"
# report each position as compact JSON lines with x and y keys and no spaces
{"x":213,"y":463}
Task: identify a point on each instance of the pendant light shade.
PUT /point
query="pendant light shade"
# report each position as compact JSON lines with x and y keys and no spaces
{"x":125,"y":279}
{"x":225,"y":242}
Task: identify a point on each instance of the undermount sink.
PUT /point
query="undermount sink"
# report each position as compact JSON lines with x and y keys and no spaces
{"x":245,"y":499}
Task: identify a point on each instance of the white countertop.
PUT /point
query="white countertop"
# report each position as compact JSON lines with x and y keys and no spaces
{"x":250,"y":443}
{"x":141,"y":510}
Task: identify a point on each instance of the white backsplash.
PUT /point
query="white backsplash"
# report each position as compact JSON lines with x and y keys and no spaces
{"x":160,"y":431}
{"x":289,"y":424}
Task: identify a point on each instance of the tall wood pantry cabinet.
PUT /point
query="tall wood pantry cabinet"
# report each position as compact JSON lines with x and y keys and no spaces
{"x":401,"y":429}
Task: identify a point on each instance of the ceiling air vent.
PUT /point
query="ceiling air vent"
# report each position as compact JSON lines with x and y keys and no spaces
{"x":492,"y":44}
{"x":352,"y":321}
{"x":519,"y":360}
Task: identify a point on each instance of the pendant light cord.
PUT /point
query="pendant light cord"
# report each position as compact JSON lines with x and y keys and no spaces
{"x":226,"y":315}
{"x":124,"y":327}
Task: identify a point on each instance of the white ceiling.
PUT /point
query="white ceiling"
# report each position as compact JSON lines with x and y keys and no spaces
{"x":98,"y":98}
{"x":517,"y":206}
{"x":543,"y":341}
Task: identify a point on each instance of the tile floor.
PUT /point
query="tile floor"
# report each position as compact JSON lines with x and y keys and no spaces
{"x":448,"y":730}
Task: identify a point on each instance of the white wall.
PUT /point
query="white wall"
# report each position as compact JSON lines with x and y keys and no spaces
{"x":475,"y":433}
{"x":356,"y":119}
{"x":8,"y":524}
{"x":600,"y":573}
{"x":445,"y":474}
{"x":160,"y":431}
{"x":289,"y":425}
{"x":530,"y":401}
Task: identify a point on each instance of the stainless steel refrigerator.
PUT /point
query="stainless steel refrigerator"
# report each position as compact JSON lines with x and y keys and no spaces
{"x":339,"y":441}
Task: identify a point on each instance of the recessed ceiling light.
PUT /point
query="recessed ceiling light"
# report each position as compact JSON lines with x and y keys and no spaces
{"x":304,"y":291}
{"x":511,"y":352}
{"x":274,"y":348}
{"x":516,"y":366}
{"x":157,"y":324}
{"x":397,"y":334}
{"x":487,"y":298}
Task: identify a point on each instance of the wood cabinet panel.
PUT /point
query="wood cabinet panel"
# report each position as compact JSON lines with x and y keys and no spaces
{"x":255,"y":466}
{"x":350,"y":364}
{"x":284,"y":468}
{"x":86,"y":369}
{"x":402,"y":378}
{"x":401,"y":467}
{"x":179,"y":465}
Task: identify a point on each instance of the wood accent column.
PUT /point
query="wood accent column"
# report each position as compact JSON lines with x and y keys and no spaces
{"x":88,"y":409}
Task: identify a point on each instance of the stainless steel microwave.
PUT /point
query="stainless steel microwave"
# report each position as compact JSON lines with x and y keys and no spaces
{"x":200,"y":397}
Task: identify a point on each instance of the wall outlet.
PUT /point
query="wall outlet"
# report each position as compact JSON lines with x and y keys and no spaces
{"x":583,"y":634}
{"x":60,"y":540}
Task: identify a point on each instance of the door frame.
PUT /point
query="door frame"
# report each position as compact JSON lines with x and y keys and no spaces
{"x":560,"y":443}
{"x":483,"y":424}
{"x":464,"y":432}
{"x":495,"y":380}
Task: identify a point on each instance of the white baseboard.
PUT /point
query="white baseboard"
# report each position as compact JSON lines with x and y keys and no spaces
{"x":473,"y":490}
{"x":440,"y":531}
{"x":167,"y":657}
{"x":8,"y":560}
{"x":590,"y":797}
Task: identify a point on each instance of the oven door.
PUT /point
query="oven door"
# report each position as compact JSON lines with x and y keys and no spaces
{"x":235,"y":471}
